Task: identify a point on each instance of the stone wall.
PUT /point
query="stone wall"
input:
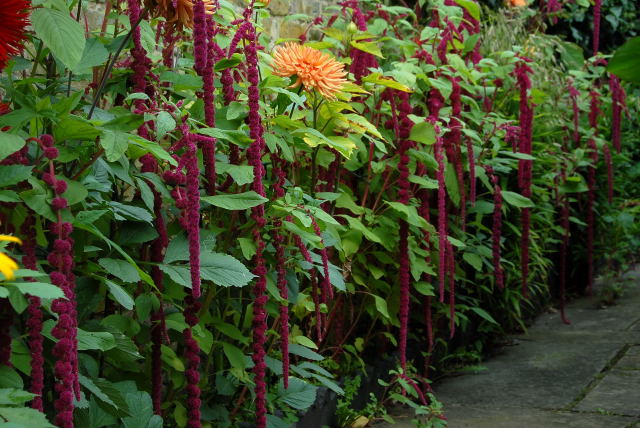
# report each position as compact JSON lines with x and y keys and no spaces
{"x":275,"y":25}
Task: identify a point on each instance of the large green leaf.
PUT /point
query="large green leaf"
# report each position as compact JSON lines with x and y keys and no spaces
{"x":39,"y":289}
{"x":24,"y":417}
{"x":14,"y":397}
{"x":516,"y":199}
{"x":626,"y":61}
{"x":13,"y":174}
{"x":300,"y":395}
{"x":62,"y":34}
{"x":236,"y":201}
{"x":9,"y":144}
{"x":120,"y":269}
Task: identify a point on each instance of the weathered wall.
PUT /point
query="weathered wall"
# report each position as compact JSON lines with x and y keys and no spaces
{"x":275,"y":26}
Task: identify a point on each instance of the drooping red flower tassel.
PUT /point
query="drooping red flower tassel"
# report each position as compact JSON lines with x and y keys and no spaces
{"x":522,"y":71}
{"x":452,"y":142}
{"x":157,"y":250}
{"x":281,"y":282}
{"x":202,"y":35}
{"x":607,"y":160}
{"x":442,"y":212}
{"x":451,"y":268}
{"x":61,"y":259}
{"x":254,"y":156}
{"x":34,"y":322}
{"x":574,"y":94}
{"x":596,"y":26}
{"x":618,"y":98}
{"x":14,"y":16}
{"x":497,"y":228}
{"x":594,"y":113}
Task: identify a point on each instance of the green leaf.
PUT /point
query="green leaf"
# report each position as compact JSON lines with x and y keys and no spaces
{"x":130,"y":212}
{"x":410,"y":214}
{"x":76,"y":192}
{"x":369,"y":47}
{"x":305,"y":341}
{"x":120,"y":269}
{"x":14,"y":397}
{"x":304,"y":352}
{"x":24,"y":417}
{"x":9,"y":196}
{"x":472,"y":7}
{"x":379,"y":79}
{"x":141,"y":409}
{"x":9,"y":144}
{"x":381,"y":306}
{"x":165,"y":123}
{"x":424,"y":288}
{"x":39,"y":289}
{"x":100,"y":340}
{"x":94,"y":54}
{"x":300,"y":395}
{"x":356,"y":224}
{"x":9,"y":378}
{"x":225,"y":63}
{"x":237,"y":137}
{"x":423,"y":132}
{"x":484,"y":314}
{"x":235,"y":201}
{"x":241,"y":174}
{"x":626,"y":62}
{"x":224,"y":270}
{"x":75,"y":128}
{"x":61,"y":33}
{"x":182,"y":81}
{"x":106,"y":393}
{"x":516,"y":199}
{"x":13,"y":174}
{"x":120,"y":294}
{"x":115,"y":144}
{"x":234,"y":355}
{"x":474,"y":260}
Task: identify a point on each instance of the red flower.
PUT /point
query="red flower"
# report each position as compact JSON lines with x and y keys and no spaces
{"x":14,"y":16}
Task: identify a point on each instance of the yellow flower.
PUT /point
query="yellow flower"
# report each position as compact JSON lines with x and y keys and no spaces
{"x":314,"y":69}
{"x":7,"y":265}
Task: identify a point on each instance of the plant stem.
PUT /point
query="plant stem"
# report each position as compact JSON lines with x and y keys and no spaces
{"x":109,"y":67}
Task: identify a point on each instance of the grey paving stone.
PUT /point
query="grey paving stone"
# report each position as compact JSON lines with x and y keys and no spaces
{"x":630,"y":360}
{"x":541,"y":381}
{"x":618,"y":392}
{"x":478,"y":417}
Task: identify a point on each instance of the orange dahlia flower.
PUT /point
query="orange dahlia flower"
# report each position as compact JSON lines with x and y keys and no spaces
{"x":518,"y":3}
{"x":314,"y":69}
{"x":181,"y":14}
{"x":14,"y":17}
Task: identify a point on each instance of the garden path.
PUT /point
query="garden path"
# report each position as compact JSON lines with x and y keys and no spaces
{"x":584,"y":375}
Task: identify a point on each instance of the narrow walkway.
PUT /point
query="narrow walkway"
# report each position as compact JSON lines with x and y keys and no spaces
{"x":584,"y":375}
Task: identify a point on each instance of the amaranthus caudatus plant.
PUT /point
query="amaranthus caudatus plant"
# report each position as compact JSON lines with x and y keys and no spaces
{"x":215,"y":222}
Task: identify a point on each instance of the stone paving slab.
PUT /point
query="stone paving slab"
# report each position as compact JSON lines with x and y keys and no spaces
{"x":583,"y":375}
{"x":479,"y":417}
{"x":532,"y":375}
{"x":630,"y":360}
{"x":618,"y":392}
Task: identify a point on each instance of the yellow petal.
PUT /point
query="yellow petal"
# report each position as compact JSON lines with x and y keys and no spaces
{"x":10,"y":239}
{"x":7,"y":266}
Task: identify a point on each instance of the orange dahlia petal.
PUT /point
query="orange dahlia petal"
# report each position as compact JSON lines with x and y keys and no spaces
{"x":314,"y":69}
